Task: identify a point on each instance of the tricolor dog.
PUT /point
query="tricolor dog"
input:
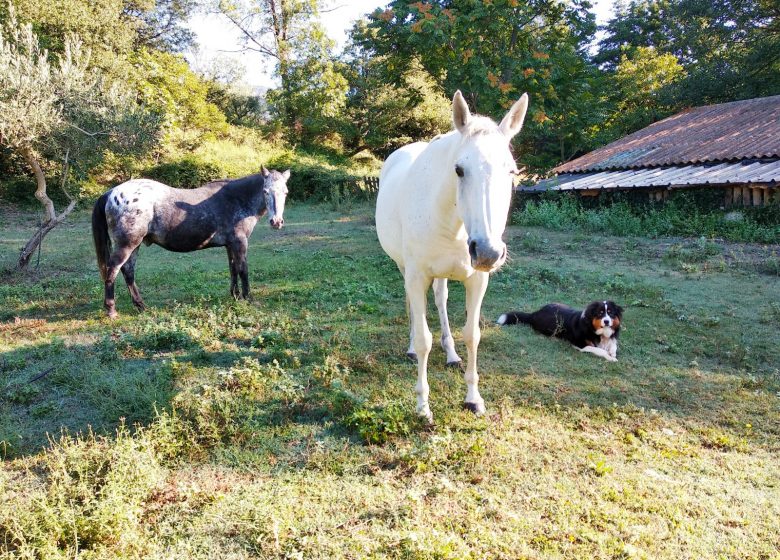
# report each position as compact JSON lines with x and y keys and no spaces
{"x":594,"y":329}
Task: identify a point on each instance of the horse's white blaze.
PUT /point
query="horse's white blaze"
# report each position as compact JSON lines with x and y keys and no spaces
{"x":441,"y":211}
{"x":275,"y":192}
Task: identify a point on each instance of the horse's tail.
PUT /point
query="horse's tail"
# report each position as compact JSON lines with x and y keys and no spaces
{"x":100,"y":235}
{"x":514,"y":317}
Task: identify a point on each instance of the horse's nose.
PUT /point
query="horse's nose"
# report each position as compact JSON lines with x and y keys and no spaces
{"x":486,"y":255}
{"x":276,"y":222}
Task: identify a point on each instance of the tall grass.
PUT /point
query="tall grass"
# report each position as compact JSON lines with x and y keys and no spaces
{"x":565,"y":212}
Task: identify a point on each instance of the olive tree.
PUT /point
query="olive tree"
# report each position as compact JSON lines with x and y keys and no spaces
{"x":61,"y":115}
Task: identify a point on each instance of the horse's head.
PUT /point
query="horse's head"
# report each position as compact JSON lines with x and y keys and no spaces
{"x":275,"y":193}
{"x":483,"y":168}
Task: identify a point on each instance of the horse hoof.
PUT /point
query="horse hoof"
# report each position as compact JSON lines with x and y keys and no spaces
{"x":455,"y":364}
{"x":426,"y":415}
{"x":412,"y":356}
{"x":113,"y":315}
{"x":476,"y":408}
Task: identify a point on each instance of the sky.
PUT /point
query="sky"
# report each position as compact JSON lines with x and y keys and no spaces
{"x":217,"y":37}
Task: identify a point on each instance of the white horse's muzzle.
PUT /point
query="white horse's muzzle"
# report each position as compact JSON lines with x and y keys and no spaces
{"x":487,"y":256}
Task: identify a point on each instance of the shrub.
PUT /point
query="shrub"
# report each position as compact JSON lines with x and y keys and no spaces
{"x":376,"y":425}
{"x":186,"y":173}
{"x":686,"y":214}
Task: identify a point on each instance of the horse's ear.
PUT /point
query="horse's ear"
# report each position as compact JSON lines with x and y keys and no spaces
{"x":264,"y":171}
{"x":460,"y":111}
{"x":286,"y":174}
{"x":513,"y":121}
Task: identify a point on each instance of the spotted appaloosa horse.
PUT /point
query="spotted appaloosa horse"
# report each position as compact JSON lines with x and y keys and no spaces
{"x":218,"y":214}
{"x":440,"y":213}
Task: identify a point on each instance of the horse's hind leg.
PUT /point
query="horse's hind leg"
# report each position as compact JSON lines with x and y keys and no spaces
{"x":115,"y":262}
{"x":441,"y":292}
{"x":128,"y":271}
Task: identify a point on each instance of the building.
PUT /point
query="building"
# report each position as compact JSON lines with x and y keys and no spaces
{"x":733,"y":147}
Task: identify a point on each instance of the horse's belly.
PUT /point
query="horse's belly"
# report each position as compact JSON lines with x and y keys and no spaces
{"x":388,"y":227}
{"x":186,"y":244}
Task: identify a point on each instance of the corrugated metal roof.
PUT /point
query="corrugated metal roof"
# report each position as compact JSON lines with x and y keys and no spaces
{"x":764,"y":173}
{"x":739,"y":130}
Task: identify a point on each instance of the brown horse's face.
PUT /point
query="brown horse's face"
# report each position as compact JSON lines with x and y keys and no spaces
{"x":275,"y":192}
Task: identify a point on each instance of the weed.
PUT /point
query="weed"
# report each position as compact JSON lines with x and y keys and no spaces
{"x":377,"y":424}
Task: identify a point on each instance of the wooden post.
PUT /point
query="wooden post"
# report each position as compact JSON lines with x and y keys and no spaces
{"x":757,"y":196}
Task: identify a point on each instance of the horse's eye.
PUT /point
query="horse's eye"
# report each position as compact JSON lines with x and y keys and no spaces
{"x":458,"y":171}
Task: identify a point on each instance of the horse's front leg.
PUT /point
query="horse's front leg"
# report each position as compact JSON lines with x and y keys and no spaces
{"x":233,"y":272}
{"x":417,"y":286}
{"x":476,"y":286}
{"x":239,"y":247}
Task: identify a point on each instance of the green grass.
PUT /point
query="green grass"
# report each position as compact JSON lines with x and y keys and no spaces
{"x":284,"y":427}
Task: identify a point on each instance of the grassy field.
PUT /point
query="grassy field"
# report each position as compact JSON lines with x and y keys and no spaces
{"x":285,"y":427}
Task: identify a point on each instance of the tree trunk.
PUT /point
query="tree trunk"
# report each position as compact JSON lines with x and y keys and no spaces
{"x":52,"y":219}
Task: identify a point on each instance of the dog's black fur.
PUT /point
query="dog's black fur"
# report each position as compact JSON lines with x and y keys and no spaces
{"x":581,"y":328}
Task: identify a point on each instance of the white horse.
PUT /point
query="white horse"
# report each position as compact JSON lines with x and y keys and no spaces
{"x":440,"y":214}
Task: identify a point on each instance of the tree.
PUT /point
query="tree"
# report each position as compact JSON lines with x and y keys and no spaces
{"x":729,"y":49}
{"x":162,"y":24}
{"x":638,"y":95}
{"x":383,"y":116}
{"x":166,"y":83}
{"x":493,"y":51}
{"x":287,"y":31}
{"x":61,"y":112}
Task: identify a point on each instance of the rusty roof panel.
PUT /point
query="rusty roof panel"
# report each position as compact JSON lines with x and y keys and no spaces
{"x":752,"y":173}
{"x":733,"y":131}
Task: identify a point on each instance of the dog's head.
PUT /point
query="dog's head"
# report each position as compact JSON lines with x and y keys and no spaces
{"x":605,"y":316}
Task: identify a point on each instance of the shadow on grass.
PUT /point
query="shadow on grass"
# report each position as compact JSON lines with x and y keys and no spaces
{"x":51,"y":387}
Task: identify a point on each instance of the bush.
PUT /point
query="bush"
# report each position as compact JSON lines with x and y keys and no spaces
{"x":187,"y":173}
{"x":688,"y":214}
{"x":312,"y":178}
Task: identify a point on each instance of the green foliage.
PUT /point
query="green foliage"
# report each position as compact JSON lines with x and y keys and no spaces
{"x":729,"y":49}
{"x":241,"y":106}
{"x":186,"y":173}
{"x":637,"y":92}
{"x":104,"y":27}
{"x":376,"y":425}
{"x":61,"y":108}
{"x":313,"y":91}
{"x":315,"y":178}
{"x":383,"y":115}
{"x":92,"y":500}
{"x":679,"y":216}
{"x":493,"y":52}
{"x":166,"y":82}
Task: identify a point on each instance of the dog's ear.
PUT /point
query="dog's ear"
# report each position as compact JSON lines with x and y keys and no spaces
{"x":590,"y":311}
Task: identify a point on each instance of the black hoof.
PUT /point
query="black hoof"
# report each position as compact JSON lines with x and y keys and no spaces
{"x":470,"y":406}
{"x":455,"y":365}
{"x":412,"y":356}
